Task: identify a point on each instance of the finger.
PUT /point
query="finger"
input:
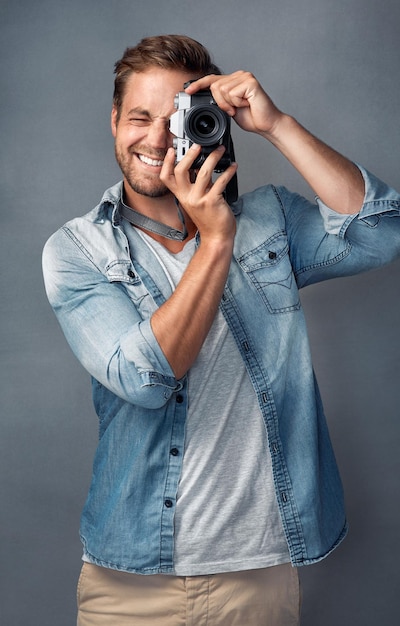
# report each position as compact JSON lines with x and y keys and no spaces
{"x":186,"y":163}
{"x":223,"y":179}
{"x":167,"y":171}
{"x":233,"y":91}
{"x":231,"y":96}
{"x":212,"y":81}
{"x":202,"y":83}
{"x":204,"y":175}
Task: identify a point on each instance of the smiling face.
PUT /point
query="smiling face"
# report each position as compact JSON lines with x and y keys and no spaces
{"x":141,"y":130}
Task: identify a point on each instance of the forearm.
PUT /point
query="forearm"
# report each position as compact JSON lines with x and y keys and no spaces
{"x":333,"y":178}
{"x":182,"y":323}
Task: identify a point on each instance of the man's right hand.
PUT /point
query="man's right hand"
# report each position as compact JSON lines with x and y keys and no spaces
{"x":201,"y":199}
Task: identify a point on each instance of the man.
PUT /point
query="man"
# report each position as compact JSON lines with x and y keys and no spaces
{"x":214,"y":477}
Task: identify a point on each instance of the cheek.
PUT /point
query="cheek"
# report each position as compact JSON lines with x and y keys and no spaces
{"x":131,"y":136}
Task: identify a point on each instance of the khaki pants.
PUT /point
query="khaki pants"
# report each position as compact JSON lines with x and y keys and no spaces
{"x":264,"y":597}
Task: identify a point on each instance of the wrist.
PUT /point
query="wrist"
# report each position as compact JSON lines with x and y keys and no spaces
{"x":282,"y":126}
{"x":216,"y":248}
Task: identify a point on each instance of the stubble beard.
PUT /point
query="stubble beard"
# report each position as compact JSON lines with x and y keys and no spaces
{"x":150,"y":186}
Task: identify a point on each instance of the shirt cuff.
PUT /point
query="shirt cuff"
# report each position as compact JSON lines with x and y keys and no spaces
{"x":142,"y":349}
{"x":379,"y":198}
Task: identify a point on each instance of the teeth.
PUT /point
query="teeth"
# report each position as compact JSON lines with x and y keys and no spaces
{"x":149,"y":161}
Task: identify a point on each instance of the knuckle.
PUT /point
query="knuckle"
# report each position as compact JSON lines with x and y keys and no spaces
{"x":180,"y":168}
{"x":204,"y":172}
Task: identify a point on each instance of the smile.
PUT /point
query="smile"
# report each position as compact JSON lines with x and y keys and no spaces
{"x":148,"y":161}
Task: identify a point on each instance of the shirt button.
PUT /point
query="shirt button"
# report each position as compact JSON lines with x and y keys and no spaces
{"x":168,"y":503}
{"x":174,"y":451}
{"x":179,"y":398}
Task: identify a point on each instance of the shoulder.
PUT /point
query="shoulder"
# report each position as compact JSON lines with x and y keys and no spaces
{"x":254,"y":207}
{"x":93,"y":225}
{"x":272,"y":197}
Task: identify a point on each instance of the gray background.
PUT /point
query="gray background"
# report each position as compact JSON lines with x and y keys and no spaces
{"x":334,"y":65}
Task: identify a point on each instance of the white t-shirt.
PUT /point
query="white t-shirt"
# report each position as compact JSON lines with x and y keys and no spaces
{"x":227,"y":516}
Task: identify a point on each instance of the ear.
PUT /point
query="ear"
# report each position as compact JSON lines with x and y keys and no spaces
{"x":114,"y":118}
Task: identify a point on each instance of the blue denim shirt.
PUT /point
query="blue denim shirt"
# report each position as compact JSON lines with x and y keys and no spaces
{"x":104,"y":294}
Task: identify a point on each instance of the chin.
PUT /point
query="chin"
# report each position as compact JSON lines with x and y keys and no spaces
{"x":150,"y":191}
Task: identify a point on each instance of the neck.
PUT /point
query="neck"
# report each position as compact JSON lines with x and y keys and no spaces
{"x":163,"y":210}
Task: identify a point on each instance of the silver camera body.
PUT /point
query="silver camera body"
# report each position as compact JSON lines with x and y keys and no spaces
{"x":198,"y":119}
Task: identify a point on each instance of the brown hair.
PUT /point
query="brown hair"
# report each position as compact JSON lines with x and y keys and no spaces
{"x":171,"y":52}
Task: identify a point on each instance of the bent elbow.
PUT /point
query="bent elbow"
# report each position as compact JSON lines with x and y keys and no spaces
{"x":148,"y":389}
{"x":151,"y":396}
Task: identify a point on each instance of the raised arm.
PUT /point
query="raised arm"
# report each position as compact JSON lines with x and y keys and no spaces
{"x":333,"y":178}
{"x":182,"y":323}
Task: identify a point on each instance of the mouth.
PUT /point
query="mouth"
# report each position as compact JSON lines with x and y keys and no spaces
{"x":148,"y":161}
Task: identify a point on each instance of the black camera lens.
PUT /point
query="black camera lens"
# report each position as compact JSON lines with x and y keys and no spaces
{"x":205,"y":125}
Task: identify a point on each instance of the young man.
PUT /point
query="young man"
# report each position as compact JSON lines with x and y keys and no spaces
{"x":214,"y":476}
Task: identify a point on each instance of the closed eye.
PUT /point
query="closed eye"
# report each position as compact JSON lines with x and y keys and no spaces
{"x":139,"y":116}
{"x":139,"y":121}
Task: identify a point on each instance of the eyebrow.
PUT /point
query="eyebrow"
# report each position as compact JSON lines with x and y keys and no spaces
{"x":142,"y":112}
{"x":139,"y":111}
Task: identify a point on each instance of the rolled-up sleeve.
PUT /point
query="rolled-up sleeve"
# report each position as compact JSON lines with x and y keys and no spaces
{"x":379,"y":199}
{"x":324,"y":244}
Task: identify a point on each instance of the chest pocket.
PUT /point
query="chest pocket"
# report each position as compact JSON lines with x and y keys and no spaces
{"x":122,"y":272}
{"x":269,"y":269}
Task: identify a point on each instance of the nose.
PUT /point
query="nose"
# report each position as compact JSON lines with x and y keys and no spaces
{"x":159,"y":135}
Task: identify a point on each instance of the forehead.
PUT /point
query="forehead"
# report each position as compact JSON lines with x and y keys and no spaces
{"x":154,"y":90}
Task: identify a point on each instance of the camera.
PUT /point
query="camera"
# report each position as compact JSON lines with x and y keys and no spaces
{"x":198,"y":119}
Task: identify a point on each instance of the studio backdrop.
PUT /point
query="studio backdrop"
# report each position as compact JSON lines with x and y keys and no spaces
{"x":334,"y":65}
